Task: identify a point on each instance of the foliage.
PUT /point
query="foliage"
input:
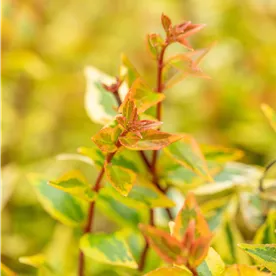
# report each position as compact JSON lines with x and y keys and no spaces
{"x":224,"y":203}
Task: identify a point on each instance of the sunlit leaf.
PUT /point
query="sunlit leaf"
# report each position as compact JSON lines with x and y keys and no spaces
{"x":74,"y":157}
{"x":146,"y":192}
{"x":121,"y":178}
{"x":199,"y":250}
{"x":229,"y":233}
{"x":106,"y":138}
{"x":187,"y":213}
{"x":74,"y":183}
{"x":238,"y":172}
{"x":151,"y":140}
{"x":187,"y":153}
{"x":220,"y":154}
{"x":263,"y":254}
{"x":241,"y":269}
{"x":99,"y":103}
{"x":181,"y":66}
{"x":266,"y":233}
{"x":155,"y":44}
{"x":107,"y":248}
{"x":172,"y":271}
{"x":270,"y":115}
{"x":166,"y":246}
{"x":94,"y":153}
{"x":59,"y":204}
{"x":128,"y":71}
{"x":218,"y":190}
{"x":5,"y":271}
{"x":143,"y":96}
{"x":192,"y":229}
{"x":35,"y":260}
{"x":212,"y":265}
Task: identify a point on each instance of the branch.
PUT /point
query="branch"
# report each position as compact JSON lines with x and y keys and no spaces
{"x":91,"y":212}
{"x":152,"y":167}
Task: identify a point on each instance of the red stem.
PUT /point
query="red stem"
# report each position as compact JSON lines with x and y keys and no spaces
{"x":159,"y":89}
{"x":152,"y":166}
{"x":91,"y":211}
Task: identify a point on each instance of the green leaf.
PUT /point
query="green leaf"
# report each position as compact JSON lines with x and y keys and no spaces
{"x":270,"y":115}
{"x":263,"y":254}
{"x":230,"y":234}
{"x":125,"y":158}
{"x":106,"y":138}
{"x":151,"y":140}
{"x":5,"y":271}
{"x":128,"y":71}
{"x":143,"y":96}
{"x":74,"y":183}
{"x":172,"y":173}
{"x":107,"y":248}
{"x":220,"y":154}
{"x":218,"y":190}
{"x":100,"y":103}
{"x":172,"y":271}
{"x":74,"y":157}
{"x":242,"y":172}
{"x":146,"y":192}
{"x":60,"y":205}
{"x":121,"y":178}
{"x":187,"y":153}
{"x":212,"y":265}
{"x":155,"y":43}
{"x":35,"y":260}
{"x":266,"y":233}
{"x":166,"y":246}
{"x":94,"y":154}
{"x":122,"y":210}
{"x":241,"y":269}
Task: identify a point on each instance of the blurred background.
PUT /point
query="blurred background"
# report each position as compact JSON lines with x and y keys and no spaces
{"x":47,"y":44}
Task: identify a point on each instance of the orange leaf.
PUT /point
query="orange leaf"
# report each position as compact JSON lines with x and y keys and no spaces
{"x":166,"y":246}
{"x":199,"y":250}
{"x":151,"y":139}
{"x":106,"y":138}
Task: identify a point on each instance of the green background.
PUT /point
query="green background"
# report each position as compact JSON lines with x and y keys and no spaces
{"x":47,"y":44}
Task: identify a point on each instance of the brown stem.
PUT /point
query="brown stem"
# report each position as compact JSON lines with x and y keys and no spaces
{"x":91,"y":211}
{"x":117,"y":97}
{"x":152,"y":167}
{"x":146,"y":248}
{"x":145,"y":159}
{"x":159,"y":89}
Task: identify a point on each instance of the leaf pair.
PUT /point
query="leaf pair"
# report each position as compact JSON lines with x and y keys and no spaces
{"x":180,"y":32}
{"x":183,"y":65}
{"x":190,"y":239}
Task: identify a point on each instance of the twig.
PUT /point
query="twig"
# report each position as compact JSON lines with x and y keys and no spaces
{"x":91,"y":212}
{"x":261,"y":186}
{"x":152,"y":166}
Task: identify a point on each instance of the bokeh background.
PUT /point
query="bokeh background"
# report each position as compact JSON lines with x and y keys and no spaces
{"x":45,"y":47}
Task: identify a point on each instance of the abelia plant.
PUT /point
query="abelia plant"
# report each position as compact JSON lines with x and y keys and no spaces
{"x":146,"y":175}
